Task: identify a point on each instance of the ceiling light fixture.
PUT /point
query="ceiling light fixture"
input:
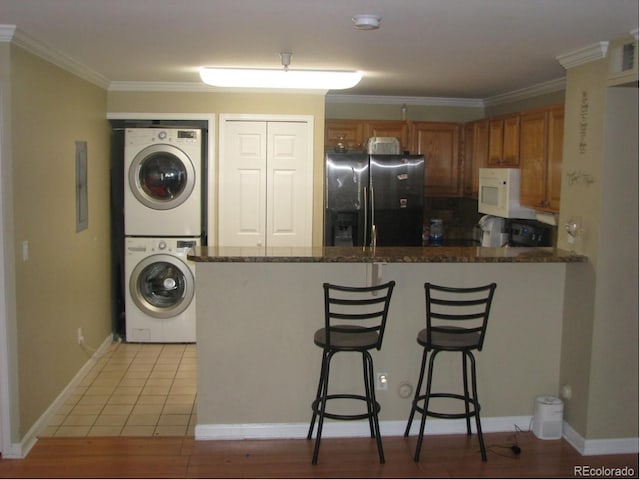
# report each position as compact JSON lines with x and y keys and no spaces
{"x":366,"y":22}
{"x":276,"y":78}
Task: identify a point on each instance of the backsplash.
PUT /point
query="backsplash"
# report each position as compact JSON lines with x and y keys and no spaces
{"x":459,"y":215}
{"x":460,"y":218}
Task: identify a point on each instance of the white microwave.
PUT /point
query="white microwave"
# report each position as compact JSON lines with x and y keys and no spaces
{"x":499,"y":193}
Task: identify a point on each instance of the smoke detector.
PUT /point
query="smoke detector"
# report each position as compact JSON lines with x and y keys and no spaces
{"x":366,"y":22}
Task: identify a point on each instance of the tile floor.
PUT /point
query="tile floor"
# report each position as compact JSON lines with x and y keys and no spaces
{"x":133,"y":390}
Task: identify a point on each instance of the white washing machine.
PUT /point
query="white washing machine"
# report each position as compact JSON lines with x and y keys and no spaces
{"x":160,"y":290}
{"x":162,"y":177}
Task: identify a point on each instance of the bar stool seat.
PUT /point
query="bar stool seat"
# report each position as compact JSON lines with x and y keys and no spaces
{"x":456,"y":322}
{"x":453,"y":340}
{"x":355,"y":340}
{"x":355,"y":320}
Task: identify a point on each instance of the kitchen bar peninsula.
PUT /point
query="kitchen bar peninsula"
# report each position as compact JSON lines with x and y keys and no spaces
{"x":257,"y":310}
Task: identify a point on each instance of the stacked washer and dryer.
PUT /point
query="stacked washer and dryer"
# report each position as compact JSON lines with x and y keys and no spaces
{"x":162,"y":222}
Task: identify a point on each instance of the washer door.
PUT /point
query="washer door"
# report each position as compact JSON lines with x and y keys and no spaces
{"x":162,"y":177}
{"x":162,"y":286}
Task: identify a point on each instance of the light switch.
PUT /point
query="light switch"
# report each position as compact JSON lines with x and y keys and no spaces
{"x":25,"y":250}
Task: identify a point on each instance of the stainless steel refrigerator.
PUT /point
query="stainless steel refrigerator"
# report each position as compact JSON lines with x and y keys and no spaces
{"x":373,"y":199}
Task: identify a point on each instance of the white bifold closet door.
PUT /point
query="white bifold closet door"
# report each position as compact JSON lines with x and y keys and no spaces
{"x":265,"y":172}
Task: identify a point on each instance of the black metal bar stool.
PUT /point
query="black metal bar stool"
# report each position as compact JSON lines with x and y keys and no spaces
{"x":456,"y":322}
{"x":355,"y":319}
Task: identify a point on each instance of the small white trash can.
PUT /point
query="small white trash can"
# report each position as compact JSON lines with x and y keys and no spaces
{"x":547,"y":417}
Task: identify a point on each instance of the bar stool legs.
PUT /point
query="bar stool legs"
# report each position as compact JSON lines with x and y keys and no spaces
{"x":319,"y":404}
{"x":354,"y":322}
{"x":472,"y":407}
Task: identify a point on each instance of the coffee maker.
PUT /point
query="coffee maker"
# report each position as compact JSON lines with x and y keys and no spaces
{"x":493,"y":231}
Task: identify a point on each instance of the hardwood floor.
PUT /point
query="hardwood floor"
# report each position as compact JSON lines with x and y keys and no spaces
{"x":450,"y":456}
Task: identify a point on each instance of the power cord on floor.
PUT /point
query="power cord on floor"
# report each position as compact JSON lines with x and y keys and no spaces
{"x":511,"y":449}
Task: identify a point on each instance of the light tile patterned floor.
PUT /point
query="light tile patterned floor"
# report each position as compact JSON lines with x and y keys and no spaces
{"x":133,"y":390}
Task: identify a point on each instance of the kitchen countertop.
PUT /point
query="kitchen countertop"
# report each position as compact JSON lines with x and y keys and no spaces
{"x":383,"y":255}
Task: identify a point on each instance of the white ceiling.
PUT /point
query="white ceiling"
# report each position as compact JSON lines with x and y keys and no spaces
{"x":424,"y":48}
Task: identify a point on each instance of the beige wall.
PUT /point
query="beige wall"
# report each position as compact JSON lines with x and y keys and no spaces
{"x":237,"y":103}
{"x":254,"y":352}
{"x":386,"y":111}
{"x":10,"y":426}
{"x":66,"y":282}
{"x":600,"y":334}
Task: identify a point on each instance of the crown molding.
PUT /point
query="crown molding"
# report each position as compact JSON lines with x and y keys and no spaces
{"x":587,"y":54}
{"x":197,"y":87}
{"x":524,"y":93}
{"x":393,"y":100}
{"x":9,"y":33}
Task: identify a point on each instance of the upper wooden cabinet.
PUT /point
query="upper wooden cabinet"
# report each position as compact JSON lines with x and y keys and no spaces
{"x":355,"y":133}
{"x":350,"y":133}
{"x":439,"y":143}
{"x":476,"y":151}
{"x":504,"y":136}
{"x":541,"y":138}
{"x":389,"y":128}
{"x":554,"y":156}
{"x":530,"y":140}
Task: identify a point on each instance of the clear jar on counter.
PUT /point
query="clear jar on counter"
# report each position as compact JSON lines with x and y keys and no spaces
{"x":436,"y":232}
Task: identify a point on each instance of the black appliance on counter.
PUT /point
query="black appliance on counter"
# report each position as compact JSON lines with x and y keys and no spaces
{"x":524,"y":233}
{"x":373,"y":199}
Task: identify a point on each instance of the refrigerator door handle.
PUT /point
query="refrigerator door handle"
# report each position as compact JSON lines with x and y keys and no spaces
{"x":373,"y":220}
{"x":366,"y":218}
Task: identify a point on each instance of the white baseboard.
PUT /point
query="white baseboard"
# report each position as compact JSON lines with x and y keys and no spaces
{"x":604,"y":446}
{"x":396,"y":428}
{"x":21,"y":449}
{"x":351,"y":429}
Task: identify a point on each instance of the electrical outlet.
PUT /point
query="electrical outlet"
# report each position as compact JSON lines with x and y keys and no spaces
{"x":80,"y":336}
{"x":382,"y":381}
{"x":566,"y":391}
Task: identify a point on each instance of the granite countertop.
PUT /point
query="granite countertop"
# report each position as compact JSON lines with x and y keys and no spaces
{"x":383,"y":255}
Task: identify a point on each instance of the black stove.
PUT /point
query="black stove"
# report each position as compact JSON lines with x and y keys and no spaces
{"x":523,"y":233}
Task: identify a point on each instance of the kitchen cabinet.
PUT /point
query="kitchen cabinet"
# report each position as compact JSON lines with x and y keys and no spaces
{"x":439,"y":143}
{"x":476,"y":151}
{"x":350,"y":133}
{"x":355,"y":133}
{"x":541,"y":138}
{"x":389,"y":128}
{"x":504,"y":136}
{"x":265,"y":183}
{"x":451,"y":168}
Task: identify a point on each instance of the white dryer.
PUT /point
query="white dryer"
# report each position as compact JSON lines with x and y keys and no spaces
{"x":162,"y":177}
{"x":160,"y":290}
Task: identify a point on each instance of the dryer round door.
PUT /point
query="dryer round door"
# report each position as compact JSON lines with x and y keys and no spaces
{"x":162,"y":286}
{"x":162,"y":177}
